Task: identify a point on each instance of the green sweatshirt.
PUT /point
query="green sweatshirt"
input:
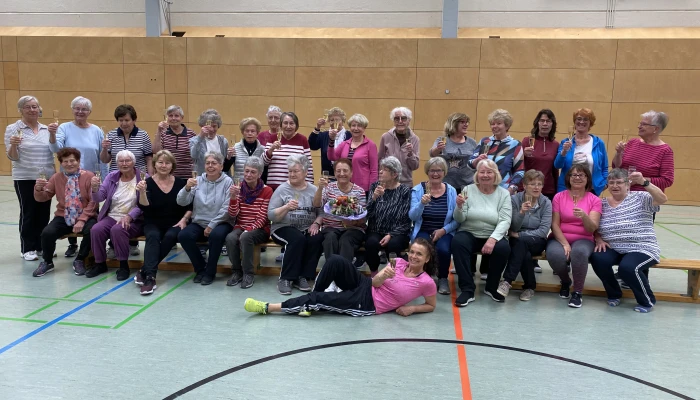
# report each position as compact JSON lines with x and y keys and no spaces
{"x":484,"y":215}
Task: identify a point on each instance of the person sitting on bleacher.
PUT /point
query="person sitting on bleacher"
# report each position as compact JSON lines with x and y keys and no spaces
{"x":248,"y":205}
{"x":626,"y":237}
{"x":484,"y":212}
{"x":529,"y":227}
{"x":75,"y":211}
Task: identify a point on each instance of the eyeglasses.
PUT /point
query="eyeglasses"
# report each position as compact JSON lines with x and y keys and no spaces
{"x":81,"y":110}
{"x":578,"y":175}
{"x":545,"y":121}
{"x":617,"y":183}
{"x":582,"y":119}
{"x":535,"y":184}
{"x":30,"y":107}
{"x":645,"y":124}
{"x":397,"y":119}
{"x":211,"y":163}
{"x":435,"y":171}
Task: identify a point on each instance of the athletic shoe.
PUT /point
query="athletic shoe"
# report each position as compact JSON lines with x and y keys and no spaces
{"x":565,"y":291}
{"x":256,"y":306}
{"x":71,"y":251}
{"x":284,"y":287}
{"x":30,"y":256}
{"x":453,"y":270}
{"x":576,"y":301}
{"x":198,"y":277}
{"x":495,"y":296}
{"x":332,"y":288}
{"x":443,"y":286}
{"x":97,"y":269}
{"x":134,"y":250}
{"x":224,"y":251}
{"x":148,"y":286}
{"x":305,"y":312}
{"x":538,"y":269}
{"x":123,"y":273}
{"x":235,"y":278}
{"x":484,"y":277}
{"x":527,"y":294}
{"x":642,"y":309}
{"x":110,"y":253}
{"x":43,"y":269}
{"x":139,"y":278}
{"x":302,"y":284}
{"x":464,"y":298}
{"x":280,"y":257}
{"x":248,"y":281}
{"x":503,"y":288}
{"x":79,"y":267}
{"x":624,"y":284}
{"x":207,"y":280}
{"x":613,"y":302}
{"x":203,"y":252}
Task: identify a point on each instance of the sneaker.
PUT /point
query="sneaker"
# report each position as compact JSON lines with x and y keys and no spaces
{"x":30,"y":256}
{"x":207,"y":280}
{"x":256,"y":306}
{"x":97,"y":269}
{"x":79,"y":267}
{"x":139,"y":278}
{"x":503,"y":288}
{"x":464,"y":298}
{"x":484,"y":277}
{"x":443,"y":286}
{"x":453,"y":270}
{"x":198,"y":277}
{"x":642,"y":309}
{"x":284,"y":287}
{"x":235,"y":278}
{"x":134,"y":250}
{"x":43,"y":269}
{"x":332,"y":288}
{"x":575,"y":300}
{"x":71,"y":251}
{"x":203,"y":252}
{"x":495,"y":296}
{"x":224,"y":251}
{"x":148,"y":286}
{"x":613,"y":302}
{"x":305,"y":312}
{"x":538,"y":269}
{"x":527,"y":294}
{"x":279,"y":258}
{"x":110,"y":253}
{"x":248,"y":280}
{"x":624,"y":284}
{"x":383,"y":259}
{"x":123,"y":273}
{"x":565,"y":291}
{"x":302,"y":284}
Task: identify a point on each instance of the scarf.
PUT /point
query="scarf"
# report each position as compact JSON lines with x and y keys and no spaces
{"x":249,"y":195}
{"x":74,"y":207}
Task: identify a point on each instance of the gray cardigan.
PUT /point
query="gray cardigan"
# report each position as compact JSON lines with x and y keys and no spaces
{"x":198,"y":148}
{"x":534,"y":223}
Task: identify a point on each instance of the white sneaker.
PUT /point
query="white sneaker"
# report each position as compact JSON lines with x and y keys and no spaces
{"x":333,"y":288}
{"x":453,"y":270}
{"x":30,"y":256}
{"x":280,"y":257}
{"x":484,"y":277}
{"x":134,"y":250}
{"x":538,"y":269}
{"x":110,"y":253}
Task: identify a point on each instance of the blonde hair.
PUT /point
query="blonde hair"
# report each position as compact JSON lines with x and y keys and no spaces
{"x":337,"y":111}
{"x":250,"y":121}
{"x":500,"y":114}
{"x":452,"y":122}
{"x":359,"y":119}
{"x":490,"y":164}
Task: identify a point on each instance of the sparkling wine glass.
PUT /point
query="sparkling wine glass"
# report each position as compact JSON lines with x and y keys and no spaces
{"x":98,"y":171}
{"x":55,"y":116}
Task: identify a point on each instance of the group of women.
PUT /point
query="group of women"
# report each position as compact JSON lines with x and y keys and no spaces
{"x":498,"y":197}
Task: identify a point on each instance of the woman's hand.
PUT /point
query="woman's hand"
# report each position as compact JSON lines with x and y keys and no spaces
{"x":579,"y":213}
{"x":332,"y":134}
{"x":15,"y":141}
{"x":440,"y":147}
{"x":53,"y":127}
{"x":191,"y":182}
{"x":319,"y":123}
{"x":388,"y":272}
{"x":378,"y":192}
{"x":488,"y":246}
{"x":478,"y":159}
{"x":275,"y":146}
{"x":460,"y":201}
{"x":425,"y":199}
{"x":78,"y":227}
{"x":162,"y":126}
{"x":141,"y":186}
{"x":322,"y":183}
{"x":620,"y":147}
{"x":314,"y":229}
{"x":292,"y":205}
{"x":525,"y":207}
{"x":408,"y":146}
{"x":566,"y":147}
{"x":385,"y":240}
{"x":437,"y":234}
{"x":567,"y":250}
{"x":207,"y":231}
{"x":528,"y":151}
{"x":95,"y":183}
{"x":182,"y":224}
{"x":636,"y":178}
{"x":40,"y":184}
{"x":125,"y":222}
{"x":206,"y":130}
{"x":405,"y":311}
{"x":234,"y":191}
{"x":230,"y":152}
{"x":600,"y":246}
{"x":106,"y":144}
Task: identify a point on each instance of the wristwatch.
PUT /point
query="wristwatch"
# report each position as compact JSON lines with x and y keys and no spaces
{"x":646,"y":183}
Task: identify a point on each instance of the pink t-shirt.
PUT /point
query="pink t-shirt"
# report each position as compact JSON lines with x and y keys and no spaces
{"x":572,"y":227}
{"x":400,"y":290}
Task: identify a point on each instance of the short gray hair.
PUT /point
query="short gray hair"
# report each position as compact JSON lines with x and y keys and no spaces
{"x":393,"y":164}
{"x":126,"y":153}
{"x":24,"y":100}
{"x":359,"y":119}
{"x":210,"y":114}
{"x":176,"y":108}
{"x":81,"y":101}
{"x":435,"y":160}
{"x":658,"y":118}
{"x":215,"y":155}
{"x":255,"y":162}
{"x":298,"y":159}
{"x":618,"y":173}
{"x":403,"y":110}
{"x":273,"y":109}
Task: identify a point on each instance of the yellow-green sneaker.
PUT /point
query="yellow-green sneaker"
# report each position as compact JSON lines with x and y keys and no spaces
{"x":305,"y":313}
{"x":256,"y":306}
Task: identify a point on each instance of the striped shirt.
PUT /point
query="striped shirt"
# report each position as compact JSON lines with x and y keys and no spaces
{"x":654,"y":162}
{"x":278,"y":172}
{"x":139,"y":144}
{"x":179,"y":145}
{"x":34,"y":153}
{"x":251,"y":216}
{"x":332,"y":191}
{"x":508,"y":156}
{"x":629,"y":227}
{"x":389,"y":213}
{"x":434,"y":214}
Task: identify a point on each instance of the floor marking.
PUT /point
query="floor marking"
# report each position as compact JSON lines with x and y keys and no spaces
{"x":110,"y":303}
{"x":88,"y":286}
{"x":173,"y":256}
{"x":21,"y":296}
{"x":62,"y":317}
{"x":23,"y":320}
{"x":41,"y":309}
{"x":461,"y":352}
{"x":677,"y":234}
{"x":85,"y":325}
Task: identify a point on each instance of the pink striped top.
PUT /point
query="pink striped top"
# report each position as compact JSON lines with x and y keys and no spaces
{"x":654,"y":162}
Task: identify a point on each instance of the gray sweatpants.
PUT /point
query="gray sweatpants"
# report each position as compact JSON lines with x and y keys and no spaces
{"x":580,"y":251}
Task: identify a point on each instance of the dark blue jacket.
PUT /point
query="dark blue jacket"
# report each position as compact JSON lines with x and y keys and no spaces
{"x":319,"y":141}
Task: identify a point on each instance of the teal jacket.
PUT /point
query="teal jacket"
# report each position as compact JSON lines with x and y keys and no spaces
{"x":416,"y":211}
{"x":600,"y":164}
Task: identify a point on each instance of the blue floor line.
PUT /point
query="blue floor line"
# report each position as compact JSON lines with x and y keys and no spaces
{"x":62,"y":317}
{"x":173,"y":256}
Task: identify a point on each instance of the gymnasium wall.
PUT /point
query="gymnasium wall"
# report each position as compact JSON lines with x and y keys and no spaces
{"x":241,"y":77}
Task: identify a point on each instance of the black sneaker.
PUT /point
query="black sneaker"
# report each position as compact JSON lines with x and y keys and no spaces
{"x":97,"y":269}
{"x":43,"y":269}
{"x":139,"y":278}
{"x":71,"y":251}
{"x":284,"y":287}
{"x":148,"y":286}
{"x":235,"y":278}
{"x":248,"y":280}
{"x":198,"y":277}
{"x":207,"y":280}
{"x":565,"y":291}
{"x":576,"y":300}
{"x":464,"y":298}
{"x":497,"y":297}
{"x":302,"y":284}
{"x":123,"y":273}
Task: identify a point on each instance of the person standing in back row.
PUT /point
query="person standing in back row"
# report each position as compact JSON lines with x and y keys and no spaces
{"x":402,"y":143}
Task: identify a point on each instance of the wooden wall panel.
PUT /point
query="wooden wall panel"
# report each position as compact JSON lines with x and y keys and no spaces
{"x":144,"y":78}
{"x":240,"y":80}
{"x":682,"y":117}
{"x":449,"y":53}
{"x":174,"y":50}
{"x":364,"y":83}
{"x":3,"y":105}
{"x":660,"y":86}
{"x":10,"y":75}
{"x":11,"y":97}
{"x":71,"y":77}
{"x":432,"y":83}
{"x":9,"y":48}
{"x":240,"y":51}
{"x":548,"y":53}
{"x":365,"y":53}
{"x":432,"y":114}
{"x":234,"y":108}
{"x":143,"y":50}
{"x":685,"y":188}
{"x":175,"y":78}
{"x":59,"y":49}
{"x":658,"y":54}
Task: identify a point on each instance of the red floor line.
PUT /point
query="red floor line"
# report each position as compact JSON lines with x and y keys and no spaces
{"x":461,"y":352}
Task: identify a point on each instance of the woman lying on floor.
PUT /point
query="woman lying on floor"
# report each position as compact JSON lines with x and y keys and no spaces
{"x":391,"y":289}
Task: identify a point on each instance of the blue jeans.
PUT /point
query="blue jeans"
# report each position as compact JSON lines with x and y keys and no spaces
{"x":194,"y":233}
{"x":633,"y":270}
{"x":443,"y":247}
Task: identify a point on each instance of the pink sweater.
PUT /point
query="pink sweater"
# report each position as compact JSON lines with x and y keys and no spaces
{"x":364,"y":161}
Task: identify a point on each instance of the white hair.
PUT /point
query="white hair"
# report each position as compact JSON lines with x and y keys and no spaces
{"x":403,"y":110}
{"x":175,"y":108}
{"x":81,"y":101}
{"x":299,"y":159}
{"x":126,"y":153}
{"x":273,"y":109}
{"x":24,"y":100}
{"x":658,"y":118}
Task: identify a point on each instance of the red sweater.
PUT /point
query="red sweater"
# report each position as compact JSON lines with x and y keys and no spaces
{"x":543,"y":160}
{"x":654,"y":162}
{"x":251,"y":216}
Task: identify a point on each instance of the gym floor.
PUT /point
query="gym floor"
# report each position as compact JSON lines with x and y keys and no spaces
{"x":69,"y":337}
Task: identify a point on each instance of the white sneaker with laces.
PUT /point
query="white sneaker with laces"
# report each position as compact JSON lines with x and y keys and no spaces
{"x":333,"y":288}
{"x":30,"y":256}
{"x":280,"y":257}
{"x":110,"y":253}
{"x":134,"y":250}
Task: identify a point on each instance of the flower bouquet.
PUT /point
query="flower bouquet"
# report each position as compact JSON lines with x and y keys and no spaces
{"x":345,"y":207}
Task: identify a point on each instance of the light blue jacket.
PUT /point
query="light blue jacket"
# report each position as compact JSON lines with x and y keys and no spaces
{"x":416,"y":211}
{"x":600,"y":164}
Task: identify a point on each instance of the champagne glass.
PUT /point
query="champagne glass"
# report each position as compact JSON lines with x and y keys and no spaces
{"x":194,"y":172}
{"x":18,"y":133}
{"x":443,"y":139}
{"x":142,"y":174}
{"x":236,"y":181}
{"x":571,"y":133}
{"x":528,"y":199}
{"x":165,"y":115}
{"x":484,"y":148}
{"x":296,"y":196}
{"x":392,"y":262}
{"x":98,"y":171}
{"x":325,"y":114}
{"x":625,"y":135}
{"x":42,"y":173}
{"x":630,"y":170}
{"x":55,"y":116}
{"x":575,"y":199}
{"x":325,"y":174}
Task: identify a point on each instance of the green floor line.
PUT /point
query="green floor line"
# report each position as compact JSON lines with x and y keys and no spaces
{"x":119,"y":304}
{"x":41,"y":309}
{"x":21,"y":296}
{"x":84,"y":325}
{"x":37,"y":321}
{"x":88,"y":286}
{"x":678,"y":234}
{"x":132,"y":316}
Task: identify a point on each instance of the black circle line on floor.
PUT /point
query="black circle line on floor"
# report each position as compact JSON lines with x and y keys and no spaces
{"x":417,"y":340}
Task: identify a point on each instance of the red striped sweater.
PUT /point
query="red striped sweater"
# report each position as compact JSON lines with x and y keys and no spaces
{"x":278,"y":173}
{"x":251,"y":216}
{"x":654,"y":162}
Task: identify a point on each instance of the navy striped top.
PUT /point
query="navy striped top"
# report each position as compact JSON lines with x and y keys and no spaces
{"x":434,"y":214}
